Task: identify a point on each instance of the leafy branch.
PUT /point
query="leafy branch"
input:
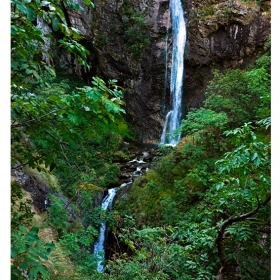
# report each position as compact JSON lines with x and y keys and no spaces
{"x":223,"y":227}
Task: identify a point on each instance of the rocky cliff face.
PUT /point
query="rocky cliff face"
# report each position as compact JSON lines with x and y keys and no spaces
{"x":221,"y":34}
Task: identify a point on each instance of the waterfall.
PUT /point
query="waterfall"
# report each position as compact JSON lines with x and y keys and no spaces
{"x":99,"y":245}
{"x":107,"y":203}
{"x":173,"y":118}
{"x":166,"y":123}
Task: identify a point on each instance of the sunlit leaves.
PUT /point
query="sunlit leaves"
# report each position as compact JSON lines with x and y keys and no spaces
{"x":199,"y":120}
{"x":27,"y":40}
{"x":69,"y":111}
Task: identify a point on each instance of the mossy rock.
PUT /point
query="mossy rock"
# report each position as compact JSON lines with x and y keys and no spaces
{"x":120,"y":156}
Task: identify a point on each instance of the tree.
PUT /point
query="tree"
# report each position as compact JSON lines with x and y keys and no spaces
{"x":243,"y":196}
{"x":47,"y":116}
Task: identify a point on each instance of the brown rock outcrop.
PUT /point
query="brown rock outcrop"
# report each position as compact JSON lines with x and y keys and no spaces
{"x":221,"y":35}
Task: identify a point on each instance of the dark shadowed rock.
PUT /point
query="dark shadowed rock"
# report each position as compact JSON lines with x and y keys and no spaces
{"x":221,"y":35}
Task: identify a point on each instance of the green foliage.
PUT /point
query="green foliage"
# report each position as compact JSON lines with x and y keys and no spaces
{"x":180,"y":206}
{"x":27,"y":253}
{"x":162,"y":253}
{"x":136,"y":33}
{"x":27,"y":40}
{"x":246,"y":170}
{"x":173,"y":185}
{"x":200,"y":192}
{"x":21,"y":213}
{"x":207,"y":11}
{"x":82,"y":238}
{"x":58,"y":216}
{"x":78,"y":116}
{"x":206,"y":126}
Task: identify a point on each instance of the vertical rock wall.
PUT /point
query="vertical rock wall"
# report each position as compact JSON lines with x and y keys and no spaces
{"x":221,"y":34}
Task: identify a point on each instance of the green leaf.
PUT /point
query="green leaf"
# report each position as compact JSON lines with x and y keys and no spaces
{"x":49,"y":246}
{"x":13,"y":253}
{"x":43,"y":256}
{"x":87,"y":2}
{"x":23,"y":266}
{"x":21,"y":7}
{"x":73,"y":119}
{"x":28,"y":71}
{"x":14,"y":30}
{"x":22,"y":249}
{"x":22,"y":228}
{"x":55,"y":24}
{"x":31,"y":14}
{"x":32,"y":274}
{"x":254,"y":156}
{"x":257,"y":161}
{"x":14,"y":65}
{"x":23,"y":66}
{"x":34,"y":230}
{"x":51,"y":70}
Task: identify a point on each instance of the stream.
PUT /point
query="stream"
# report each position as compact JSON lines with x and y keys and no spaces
{"x":133,"y":169}
{"x":172,"y":121}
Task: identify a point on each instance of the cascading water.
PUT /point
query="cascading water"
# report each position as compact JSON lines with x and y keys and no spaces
{"x":173,"y":118}
{"x":99,"y":245}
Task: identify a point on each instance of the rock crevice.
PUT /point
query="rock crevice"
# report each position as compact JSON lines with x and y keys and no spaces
{"x":223,"y":35}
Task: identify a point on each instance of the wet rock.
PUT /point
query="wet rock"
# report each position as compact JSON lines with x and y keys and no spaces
{"x":97,"y":199}
{"x":231,"y":36}
{"x":39,"y":192}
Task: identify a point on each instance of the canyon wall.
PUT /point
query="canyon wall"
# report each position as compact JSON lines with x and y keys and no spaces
{"x":220,"y":35}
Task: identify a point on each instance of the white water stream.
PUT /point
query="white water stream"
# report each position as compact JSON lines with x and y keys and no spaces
{"x":107,"y":202}
{"x":173,"y":117}
{"x":99,"y":245}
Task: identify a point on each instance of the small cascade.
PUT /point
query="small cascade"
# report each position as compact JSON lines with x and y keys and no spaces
{"x":173,"y":118}
{"x":136,"y":167}
{"x":166,"y":123}
{"x":99,"y":246}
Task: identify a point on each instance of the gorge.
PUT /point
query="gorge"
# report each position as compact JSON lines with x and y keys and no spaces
{"x":101,"y":186}
{"x":216,"y":40}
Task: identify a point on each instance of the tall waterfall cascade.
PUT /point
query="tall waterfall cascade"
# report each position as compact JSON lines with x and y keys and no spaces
{"x":173,"y":117}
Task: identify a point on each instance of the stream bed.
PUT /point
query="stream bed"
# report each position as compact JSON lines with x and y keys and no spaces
{"x":130,"y":170}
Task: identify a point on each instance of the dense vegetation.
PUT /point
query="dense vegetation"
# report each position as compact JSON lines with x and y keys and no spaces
{"x":202,"y":211}
{"x":64,"y":133}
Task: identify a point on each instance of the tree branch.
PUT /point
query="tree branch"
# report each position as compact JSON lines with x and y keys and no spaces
{"x":35,"y":120}
{"x":225,"y":224}
{"x":54,"y":137}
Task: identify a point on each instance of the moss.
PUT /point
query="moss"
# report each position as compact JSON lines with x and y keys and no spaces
{"x":136,"y":34}
{"x":120,"y":156}
{"x":45,"y":178}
